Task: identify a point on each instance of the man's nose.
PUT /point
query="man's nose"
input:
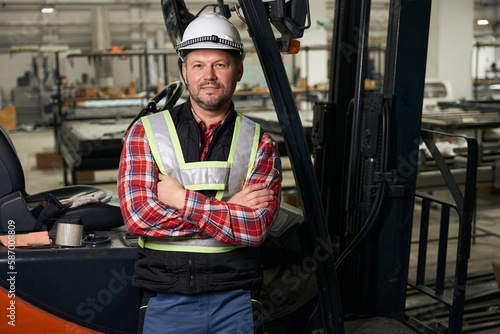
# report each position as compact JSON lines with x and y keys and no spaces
{"x":209,"y":73}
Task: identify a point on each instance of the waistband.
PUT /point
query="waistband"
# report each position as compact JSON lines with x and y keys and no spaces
{"x":191,"y":245}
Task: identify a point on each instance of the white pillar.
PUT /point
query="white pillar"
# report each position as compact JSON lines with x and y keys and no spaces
{"x":101,"y":41}
{"x":450,"y":44}
{"x":313,"y":64}
{"x":101,"y":35}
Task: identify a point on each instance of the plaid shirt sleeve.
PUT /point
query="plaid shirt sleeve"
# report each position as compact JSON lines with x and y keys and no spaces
{"x":145,"y":214}
{"x":238,"y":224}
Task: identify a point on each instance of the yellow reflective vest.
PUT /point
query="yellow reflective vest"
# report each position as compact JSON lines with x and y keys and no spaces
{"x":225,"y":177}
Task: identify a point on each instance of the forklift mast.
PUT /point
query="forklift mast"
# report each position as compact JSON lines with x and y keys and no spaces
{"x":360,"y":192}
{"x":369,"y":197}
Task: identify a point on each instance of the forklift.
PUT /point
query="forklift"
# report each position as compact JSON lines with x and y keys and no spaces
{"x":359,"y":194}
{"x":337,"y":264}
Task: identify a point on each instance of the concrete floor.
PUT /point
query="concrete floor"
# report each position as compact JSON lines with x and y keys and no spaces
{"x":485,"y":248}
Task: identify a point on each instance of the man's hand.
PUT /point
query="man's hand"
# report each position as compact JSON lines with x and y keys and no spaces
{"x":255,"y":196}
{"x":171,"y":192}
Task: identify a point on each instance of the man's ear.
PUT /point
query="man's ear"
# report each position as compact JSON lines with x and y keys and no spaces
{"x":240,"y":72}
{"x":183,"y":71}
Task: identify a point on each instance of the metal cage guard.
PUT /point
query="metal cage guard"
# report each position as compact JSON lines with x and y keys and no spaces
{"x":464,"y":205}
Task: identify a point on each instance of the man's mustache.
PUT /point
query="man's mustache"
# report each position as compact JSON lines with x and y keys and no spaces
{"x":210,"y":83}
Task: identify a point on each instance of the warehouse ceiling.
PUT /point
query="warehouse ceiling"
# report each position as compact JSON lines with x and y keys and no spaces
{"x":132,"y":22}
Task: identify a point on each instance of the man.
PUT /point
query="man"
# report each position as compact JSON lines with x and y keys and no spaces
{"x":201,"y":185}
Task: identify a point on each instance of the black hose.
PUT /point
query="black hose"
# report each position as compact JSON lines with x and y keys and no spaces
{"x":380,"y":193}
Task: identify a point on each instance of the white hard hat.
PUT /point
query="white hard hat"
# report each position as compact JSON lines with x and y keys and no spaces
{"x":210,"y":31}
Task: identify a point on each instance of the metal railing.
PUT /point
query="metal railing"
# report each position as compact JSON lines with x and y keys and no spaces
{"x":464,"y":205}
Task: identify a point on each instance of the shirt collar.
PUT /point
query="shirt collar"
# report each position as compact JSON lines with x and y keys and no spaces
{"x":203,"y":126}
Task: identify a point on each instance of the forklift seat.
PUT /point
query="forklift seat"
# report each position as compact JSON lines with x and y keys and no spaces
{"x":23,"y":210}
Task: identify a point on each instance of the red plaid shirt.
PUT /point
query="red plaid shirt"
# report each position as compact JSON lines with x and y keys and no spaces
{"x":201,"y":216}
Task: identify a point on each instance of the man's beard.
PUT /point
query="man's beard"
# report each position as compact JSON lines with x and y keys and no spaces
{"x":212,"y":103}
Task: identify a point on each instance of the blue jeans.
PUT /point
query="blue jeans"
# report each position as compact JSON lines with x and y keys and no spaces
{"x":213,"y":312}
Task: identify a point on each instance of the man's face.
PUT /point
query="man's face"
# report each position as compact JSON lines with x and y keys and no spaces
{"x":211,"y":77}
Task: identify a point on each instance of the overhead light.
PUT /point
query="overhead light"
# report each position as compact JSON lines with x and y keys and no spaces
{"x":48,"y":10}
{"x":483,"y":22}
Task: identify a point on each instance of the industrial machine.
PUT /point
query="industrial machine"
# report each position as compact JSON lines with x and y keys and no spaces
{"x":337,"y":264}
{"x":34,"y":91}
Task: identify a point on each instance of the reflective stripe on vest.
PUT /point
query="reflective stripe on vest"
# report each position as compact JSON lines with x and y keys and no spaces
{"x":208,"y":245}
{"x":227,"y":177}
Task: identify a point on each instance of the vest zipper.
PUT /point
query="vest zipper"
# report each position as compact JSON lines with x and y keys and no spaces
{"x":190,"y":272}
